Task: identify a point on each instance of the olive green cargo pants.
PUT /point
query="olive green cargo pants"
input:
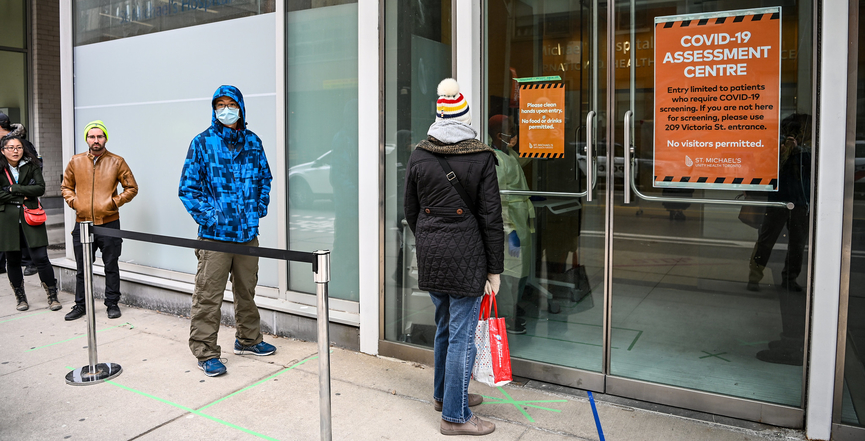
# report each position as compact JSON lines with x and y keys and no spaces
{"x":213,"y":271}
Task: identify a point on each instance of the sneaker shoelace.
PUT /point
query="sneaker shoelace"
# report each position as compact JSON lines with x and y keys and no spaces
{"x":224,"y":361}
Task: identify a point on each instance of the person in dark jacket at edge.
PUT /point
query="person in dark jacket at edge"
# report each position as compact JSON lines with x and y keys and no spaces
{"x":21,"y":184}
{"x":8,"y":129}
{"x":460,"y":249}
{"x":225,"y":187}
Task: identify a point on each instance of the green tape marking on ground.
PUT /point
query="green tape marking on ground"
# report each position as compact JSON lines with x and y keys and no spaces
{"x":615,"y":328}
{"x":70,"y":339}
{"x":519,"y":404}
{"x":24,"y":316}
{"x":714,"y":355}
{"x":259,"y":382}
{"x":193,"y":411}
{"x":567,"y":341}
{"x":188,"y":409}
{"x":741,"y":342}
{"x":639,"y":333}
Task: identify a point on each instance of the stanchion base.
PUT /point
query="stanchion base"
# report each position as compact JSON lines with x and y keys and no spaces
{"x":103,"y":372}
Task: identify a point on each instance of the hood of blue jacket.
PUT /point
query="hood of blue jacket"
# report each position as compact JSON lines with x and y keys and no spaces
{"x":230,"y":135}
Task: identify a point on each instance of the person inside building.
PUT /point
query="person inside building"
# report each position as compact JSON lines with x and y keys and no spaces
{"x":453,"y":207}
{"x":90,"y":188}
{"x":794,"y":185}
{"x":518,"y":216}
{"x":21,"y":184}
{"x":227,"y":211}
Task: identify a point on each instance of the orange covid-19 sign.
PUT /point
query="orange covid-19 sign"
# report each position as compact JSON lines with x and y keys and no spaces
{"x":717,"y":100}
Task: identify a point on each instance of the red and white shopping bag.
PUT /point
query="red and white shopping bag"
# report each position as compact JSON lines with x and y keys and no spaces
{"x":493,"y":361}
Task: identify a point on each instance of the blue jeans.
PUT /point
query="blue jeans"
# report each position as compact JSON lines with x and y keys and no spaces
{"x":456,"y":320}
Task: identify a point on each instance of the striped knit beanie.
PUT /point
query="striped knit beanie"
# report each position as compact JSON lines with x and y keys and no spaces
{"x":452,"y":105}
{"x":95,"y":125}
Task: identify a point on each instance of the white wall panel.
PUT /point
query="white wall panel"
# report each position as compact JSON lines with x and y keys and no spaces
{"x":153,"y":92}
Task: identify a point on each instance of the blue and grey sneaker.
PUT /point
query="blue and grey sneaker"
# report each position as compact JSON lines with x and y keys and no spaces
{"x":212,"y":367}
{"x":259,"y":349}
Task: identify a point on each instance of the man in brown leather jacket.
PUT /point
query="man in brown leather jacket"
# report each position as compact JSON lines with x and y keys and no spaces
{"x":90,"y":188}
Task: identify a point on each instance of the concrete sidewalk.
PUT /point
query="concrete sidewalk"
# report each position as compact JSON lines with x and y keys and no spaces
{"x":162,"y":394}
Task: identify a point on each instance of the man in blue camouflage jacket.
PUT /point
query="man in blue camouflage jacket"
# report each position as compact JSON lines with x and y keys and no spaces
{"x":225,"y":186}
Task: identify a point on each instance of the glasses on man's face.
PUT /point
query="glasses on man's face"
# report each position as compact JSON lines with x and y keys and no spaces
{"x":506,"y":137}
{"x":13,"y":149}
{"x":96,"y":137}
{"x":233,"y":106}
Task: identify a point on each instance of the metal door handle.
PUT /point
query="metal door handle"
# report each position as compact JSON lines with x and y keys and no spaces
{"x":590,"y":161}
{"x":627,"y":194}
{"x":629,"y":179}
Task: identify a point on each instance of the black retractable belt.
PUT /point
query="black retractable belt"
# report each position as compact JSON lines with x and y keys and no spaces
{"x":452,"y":178}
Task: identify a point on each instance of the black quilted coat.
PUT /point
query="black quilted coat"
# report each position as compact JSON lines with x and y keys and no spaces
{"x":456,"y":246}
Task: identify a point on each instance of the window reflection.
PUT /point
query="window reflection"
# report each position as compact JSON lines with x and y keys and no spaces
{"x":321,"y":132}
{"x":105,"y":20}
{"x":418,"y":56}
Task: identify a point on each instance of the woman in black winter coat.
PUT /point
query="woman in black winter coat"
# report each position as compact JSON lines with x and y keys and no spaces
{"x":460,"y":248}
{"x":21,"y":184}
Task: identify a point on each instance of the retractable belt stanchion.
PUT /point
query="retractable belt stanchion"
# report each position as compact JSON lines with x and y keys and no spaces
{"x":320,"y":260}
{"x":321,"y":272}
{"x":94,"y":372}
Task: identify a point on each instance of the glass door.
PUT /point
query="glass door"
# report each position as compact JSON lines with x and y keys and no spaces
{"x":713,"y":106}
{"x":546,"y":117}
{"x":659,"y":253}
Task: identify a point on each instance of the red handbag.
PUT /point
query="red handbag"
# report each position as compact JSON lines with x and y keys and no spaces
{"x":33,"y":216}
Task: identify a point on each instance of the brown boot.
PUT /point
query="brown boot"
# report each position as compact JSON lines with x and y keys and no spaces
{"x":474,"y":426}
{"x":53,"y":303}
{"x":474,"y":400}
{"x":20,"y":297}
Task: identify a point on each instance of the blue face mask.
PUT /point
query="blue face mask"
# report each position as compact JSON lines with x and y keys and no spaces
{"x":228,"y":116}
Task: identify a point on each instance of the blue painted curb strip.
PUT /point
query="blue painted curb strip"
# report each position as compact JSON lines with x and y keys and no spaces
{"x":597,"y":420}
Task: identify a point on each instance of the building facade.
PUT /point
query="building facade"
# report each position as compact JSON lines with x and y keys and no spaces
{"x":30,"y":82}
{"x":624,"y":282}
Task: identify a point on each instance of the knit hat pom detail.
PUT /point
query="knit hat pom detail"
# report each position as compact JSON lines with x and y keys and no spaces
{"x":451,"y":104}
{"x":448,"y":87}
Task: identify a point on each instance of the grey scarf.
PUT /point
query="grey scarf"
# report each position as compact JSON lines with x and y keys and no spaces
{"x":452,"y":138}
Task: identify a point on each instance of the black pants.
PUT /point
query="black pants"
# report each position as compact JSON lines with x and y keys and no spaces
{"x":796,"y":221}
{"x":26,"y":260}
{"x":40,"y":258}
{"x":792,"y":303}
{"x":110,"y":247}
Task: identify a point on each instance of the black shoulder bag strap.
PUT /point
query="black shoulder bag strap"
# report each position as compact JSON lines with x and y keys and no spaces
{"x":452,"y":178}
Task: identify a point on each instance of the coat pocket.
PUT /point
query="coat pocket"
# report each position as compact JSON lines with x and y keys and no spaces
{"x":106,"y":207}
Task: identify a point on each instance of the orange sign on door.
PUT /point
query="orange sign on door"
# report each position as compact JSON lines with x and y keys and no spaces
{"x":542,"y":120}
{"x":717,"y":99}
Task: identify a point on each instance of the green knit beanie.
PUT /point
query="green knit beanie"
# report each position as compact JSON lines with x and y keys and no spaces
{"x":95,"y":125}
